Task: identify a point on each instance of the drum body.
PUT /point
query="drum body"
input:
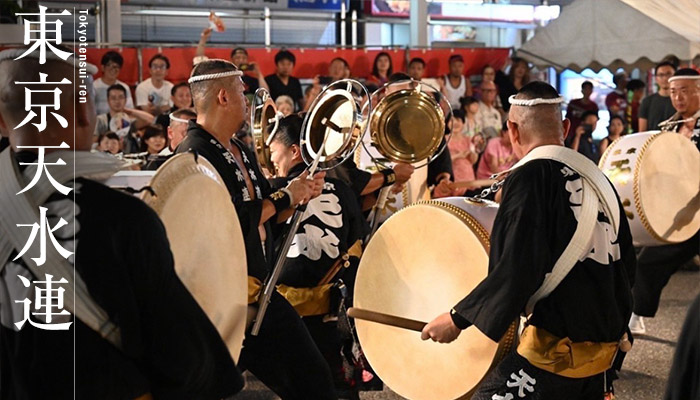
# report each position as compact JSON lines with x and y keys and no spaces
{"x":657,"y":176}
{"x":206,"y":241}
{"x":419,"y":264}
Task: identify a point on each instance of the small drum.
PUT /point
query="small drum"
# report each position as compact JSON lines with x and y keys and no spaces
{"x":419,"y":264}
{"x":657,"y":176}
{"x":206,"y":240}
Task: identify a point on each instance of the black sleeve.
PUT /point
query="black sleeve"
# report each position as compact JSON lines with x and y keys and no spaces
{"x":357,"y":224}
{"x":442,"y":163}
{"x":519,"y":258}
{"x":354,"y":177}
{"x":644,"y":108}
{"x":682,"y":381}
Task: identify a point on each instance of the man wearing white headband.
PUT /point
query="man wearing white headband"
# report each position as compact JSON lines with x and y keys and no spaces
{"x":283,"y":355}
{"x":146,"y":336}
{"x":656,"y":265}
{"x":561,"y":255}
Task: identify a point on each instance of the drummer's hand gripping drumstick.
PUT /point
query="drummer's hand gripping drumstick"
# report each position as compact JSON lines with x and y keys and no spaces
{"x":271,"y":283}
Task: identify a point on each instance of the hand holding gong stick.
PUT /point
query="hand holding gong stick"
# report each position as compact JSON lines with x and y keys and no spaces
{"x":386,"y":319}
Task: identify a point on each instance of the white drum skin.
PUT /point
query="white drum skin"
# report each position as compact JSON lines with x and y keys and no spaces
{"x":657,"y":176}
{"x":420,"y":263}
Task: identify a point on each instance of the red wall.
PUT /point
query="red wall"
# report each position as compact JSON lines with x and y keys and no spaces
{"x":310,"y":62}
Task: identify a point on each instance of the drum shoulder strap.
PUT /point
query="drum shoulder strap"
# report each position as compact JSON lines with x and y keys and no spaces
{"x":20,"y":209}
{"x":596,"y":188}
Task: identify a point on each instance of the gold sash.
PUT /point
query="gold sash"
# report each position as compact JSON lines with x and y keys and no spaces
{"x":564,"y":357}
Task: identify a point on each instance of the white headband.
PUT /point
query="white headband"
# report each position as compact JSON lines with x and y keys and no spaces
{"x":534,"y":102}
{"x":679,"y":77}
{"x":217,"y":75}
{"x":176,"y":119}
{"x":11,"y":54}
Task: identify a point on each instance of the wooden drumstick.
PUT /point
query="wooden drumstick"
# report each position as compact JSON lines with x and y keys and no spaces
{"x":339,"y":263}
{"x":386,"y":319}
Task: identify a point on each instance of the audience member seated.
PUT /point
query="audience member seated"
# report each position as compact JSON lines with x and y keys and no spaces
{"x":488,"y":116}
{"x":109,"y":143}
{"x":154,"y":140}
{"x":470,"y":109}
{"x":462,"y":151}
{"x":636,"y":88}
{"x":285,"y":105}
{"x":382,"y":69}
{"x":112,"y":63}
{"x":181,"y":98}
{"x":582,"y":138}
{"x":488,"y":74}
{"x":119,"y":119}
{"x":338,"y":69}
{"x":498,"y":155}
{"x":455,"y":85}
{"x":153,"y":94}
{"x":577,"y":107}
{"x":282,"y":82}
{"x":416,"y":68}
{"x":616,"y":101}
{"x":616,"y":129}
{"x":657,"y":107}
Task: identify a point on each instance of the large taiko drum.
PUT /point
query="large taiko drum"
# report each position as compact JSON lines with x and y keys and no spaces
{"x":206,"y":240}
{"x":419,"y":264}
{"x":657,"y":176}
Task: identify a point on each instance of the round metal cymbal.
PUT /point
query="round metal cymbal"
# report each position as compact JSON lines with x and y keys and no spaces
{"x":407,"y":126}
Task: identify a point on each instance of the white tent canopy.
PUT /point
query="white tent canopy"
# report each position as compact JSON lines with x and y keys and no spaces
{"x":617,"y":33}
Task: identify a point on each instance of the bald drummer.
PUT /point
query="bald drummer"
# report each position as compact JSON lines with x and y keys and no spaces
{"x":538,"y":216}
{"x":655,"y":265}
{"x":283,"y":355}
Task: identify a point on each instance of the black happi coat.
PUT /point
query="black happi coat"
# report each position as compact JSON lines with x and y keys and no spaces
{"x":248,"y":205}
{"x":332,"y":223}
{"x":535,"y":222}
{"x":170,"y":348}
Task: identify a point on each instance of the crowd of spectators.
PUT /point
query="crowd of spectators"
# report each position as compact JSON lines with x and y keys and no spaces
{"x":479,"y":143}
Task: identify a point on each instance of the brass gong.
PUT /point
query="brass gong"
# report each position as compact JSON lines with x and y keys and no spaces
{"x":407,"y":125}
{"x":263,"y":115}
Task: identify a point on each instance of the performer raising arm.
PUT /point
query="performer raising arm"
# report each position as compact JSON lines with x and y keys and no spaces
{"x":587,"y":312}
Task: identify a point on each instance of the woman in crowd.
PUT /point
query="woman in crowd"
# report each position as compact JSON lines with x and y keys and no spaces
{"x":108,"y":142}
{"x":518,"y":76}
{"x":154,"y":140}
{"x":461,"y":150}
{"x":381,"y":69}
{"x":616,"y":129}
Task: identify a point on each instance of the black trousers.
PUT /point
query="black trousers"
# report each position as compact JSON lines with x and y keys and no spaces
{"x":515,"y":378}
{"x":284,"y":357}
{"x":655,"y":265}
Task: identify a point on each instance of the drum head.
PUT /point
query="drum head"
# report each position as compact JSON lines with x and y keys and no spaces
{"x":668,"y":184}
{"x":419,"y":264}
{"x":407,"y":126}
{"x":206,"y":240}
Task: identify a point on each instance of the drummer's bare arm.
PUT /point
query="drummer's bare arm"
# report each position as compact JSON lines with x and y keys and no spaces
{"x":402,"y":173}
